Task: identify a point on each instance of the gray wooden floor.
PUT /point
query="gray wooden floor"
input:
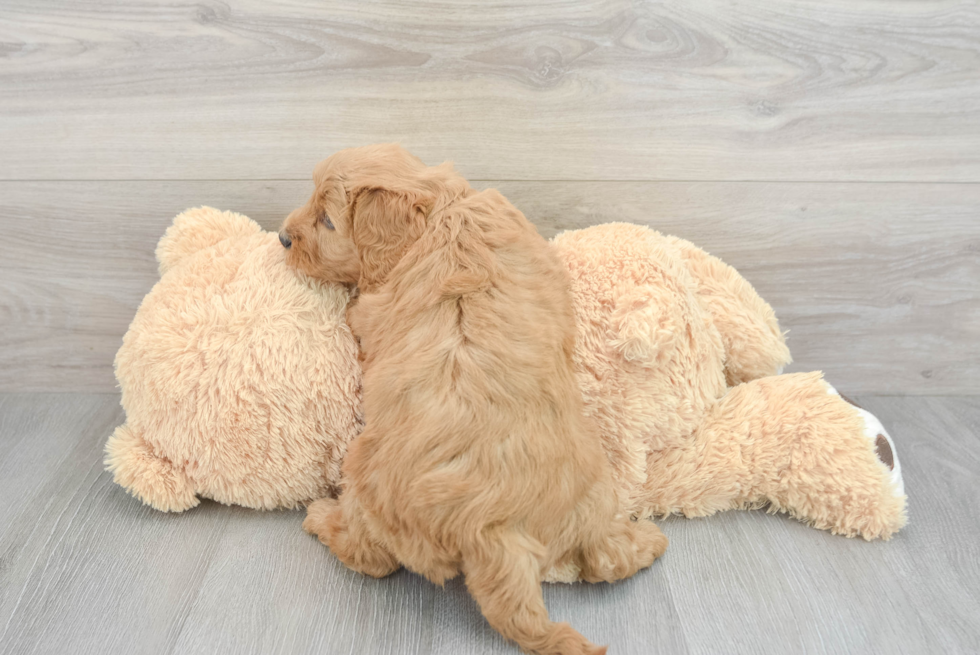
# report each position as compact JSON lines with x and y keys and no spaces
{"x":84,"y":568}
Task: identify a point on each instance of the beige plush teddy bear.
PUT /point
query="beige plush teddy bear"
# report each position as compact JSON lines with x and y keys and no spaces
{"x":240,"y":383}
{"x":239,"y":376}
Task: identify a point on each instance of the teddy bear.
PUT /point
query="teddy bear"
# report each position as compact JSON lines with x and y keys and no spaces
{"x":239,"y":376}
{"x":240,"y":383}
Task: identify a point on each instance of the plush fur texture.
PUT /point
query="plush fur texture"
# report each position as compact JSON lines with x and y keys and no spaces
{"x":475,"y":455}
{"x":239,"y":376}
{"x":664,"y":329}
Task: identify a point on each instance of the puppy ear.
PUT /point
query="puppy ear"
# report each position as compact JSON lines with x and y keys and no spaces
{"x":384,"y":225}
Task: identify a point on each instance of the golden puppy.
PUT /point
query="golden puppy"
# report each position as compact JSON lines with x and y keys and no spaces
{"x":475,"y":455}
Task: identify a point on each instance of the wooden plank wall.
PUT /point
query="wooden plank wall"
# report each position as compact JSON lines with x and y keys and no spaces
{"x":829,"y":150}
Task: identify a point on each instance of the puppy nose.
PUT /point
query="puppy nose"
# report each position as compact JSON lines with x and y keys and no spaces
{"x":285,"y":240}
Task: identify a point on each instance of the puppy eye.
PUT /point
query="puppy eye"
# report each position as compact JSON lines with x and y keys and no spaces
{"x":326,"y":222}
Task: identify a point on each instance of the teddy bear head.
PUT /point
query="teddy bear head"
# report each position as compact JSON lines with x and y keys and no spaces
{"x":239,"y":375}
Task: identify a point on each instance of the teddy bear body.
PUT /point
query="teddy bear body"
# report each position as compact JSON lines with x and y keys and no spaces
{"x":679,"y":363}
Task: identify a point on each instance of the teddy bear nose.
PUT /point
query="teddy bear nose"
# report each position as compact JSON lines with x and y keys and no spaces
{"x":285,"y":240}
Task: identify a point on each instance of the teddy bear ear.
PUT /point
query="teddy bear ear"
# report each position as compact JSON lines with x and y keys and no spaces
{"x":199,"y":228}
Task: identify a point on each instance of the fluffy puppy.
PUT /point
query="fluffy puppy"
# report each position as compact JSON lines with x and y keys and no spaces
{"x":475,"y":455}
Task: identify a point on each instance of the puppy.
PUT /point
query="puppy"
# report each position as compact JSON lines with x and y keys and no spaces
{"x":475,"y":456}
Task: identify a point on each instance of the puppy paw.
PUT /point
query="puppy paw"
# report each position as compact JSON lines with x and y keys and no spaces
{"x":318,"y":515}
{"x":650,"y":541}
{"x":628,"y":547}
{"x":351,"y":544}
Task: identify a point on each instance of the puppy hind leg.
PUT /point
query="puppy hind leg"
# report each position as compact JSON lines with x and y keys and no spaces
{"x":339,"y":524}
{"x":504,"y":578}
{"x":611,"y":546}
{"x":623,"y":549}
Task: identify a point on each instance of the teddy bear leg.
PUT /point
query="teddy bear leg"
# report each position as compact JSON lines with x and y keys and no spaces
{"x":819,"y":458}
{"x":875,"y":433}
{"x":151,"y":478}
{"x":845,"y":475}
{"x":787,"y":442}
{"x":754,"y":344}
{"x":339,"y":524}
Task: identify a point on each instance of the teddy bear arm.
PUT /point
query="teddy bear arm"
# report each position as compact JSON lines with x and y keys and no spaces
{"x":754,"y":345}
{"x":153,"y":479}
{"x":789,"y":443}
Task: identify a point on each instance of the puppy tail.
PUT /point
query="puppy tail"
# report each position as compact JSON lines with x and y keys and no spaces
{"x":504,"y":576}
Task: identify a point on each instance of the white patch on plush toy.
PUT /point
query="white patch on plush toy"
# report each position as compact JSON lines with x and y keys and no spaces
{"x":876,"y":433}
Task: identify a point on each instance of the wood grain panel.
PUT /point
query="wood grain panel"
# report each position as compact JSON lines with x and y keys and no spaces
{"x":84,"y":568}
{"x":301,"y":599}
{"x":600,"y":89}
{"x":878,"y":284}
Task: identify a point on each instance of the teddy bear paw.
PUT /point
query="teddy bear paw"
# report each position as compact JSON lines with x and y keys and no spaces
{"x":875,"y":432}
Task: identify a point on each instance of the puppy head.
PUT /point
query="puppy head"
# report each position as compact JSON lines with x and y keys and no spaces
{"x":370,"y":205}
{"x":309,"y":234}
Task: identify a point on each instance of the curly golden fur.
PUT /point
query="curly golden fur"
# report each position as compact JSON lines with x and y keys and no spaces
{"x":475,"y":456}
